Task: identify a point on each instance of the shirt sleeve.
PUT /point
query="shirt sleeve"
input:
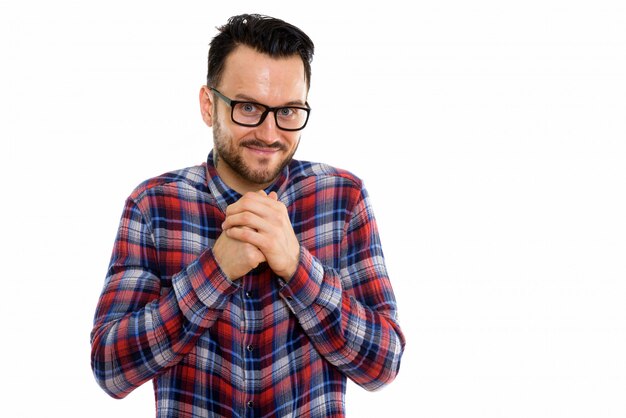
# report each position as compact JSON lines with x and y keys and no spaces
{"x":141,"y":328}
{"x":350,"y":313}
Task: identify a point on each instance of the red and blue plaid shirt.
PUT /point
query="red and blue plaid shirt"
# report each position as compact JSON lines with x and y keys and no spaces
{"x":256,"y":346}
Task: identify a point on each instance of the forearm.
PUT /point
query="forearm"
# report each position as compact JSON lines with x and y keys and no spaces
{"x":136,"y":347}
{"x":364,"y":342}
{"x":139,"y":334}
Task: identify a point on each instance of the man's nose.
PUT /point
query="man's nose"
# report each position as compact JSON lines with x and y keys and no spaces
{"x":268,"y":131}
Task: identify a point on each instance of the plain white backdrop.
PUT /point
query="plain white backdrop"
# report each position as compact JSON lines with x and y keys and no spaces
{"x":491,"y":137}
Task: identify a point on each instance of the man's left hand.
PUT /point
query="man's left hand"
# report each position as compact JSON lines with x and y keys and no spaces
{"x":267,"y":227}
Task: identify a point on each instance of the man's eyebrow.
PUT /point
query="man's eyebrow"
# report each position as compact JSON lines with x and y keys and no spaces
{"x":243,"y":97}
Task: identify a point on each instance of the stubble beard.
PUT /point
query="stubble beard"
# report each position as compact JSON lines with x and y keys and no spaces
{"x":230,"y":153}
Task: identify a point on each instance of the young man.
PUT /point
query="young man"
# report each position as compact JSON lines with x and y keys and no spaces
{"x":253,"y":284}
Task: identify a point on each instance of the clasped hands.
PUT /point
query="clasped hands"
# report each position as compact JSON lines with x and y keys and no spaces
{"x":257,"y":229}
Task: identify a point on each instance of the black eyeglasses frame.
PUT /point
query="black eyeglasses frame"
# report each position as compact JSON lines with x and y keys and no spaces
{"x":232,"y":103}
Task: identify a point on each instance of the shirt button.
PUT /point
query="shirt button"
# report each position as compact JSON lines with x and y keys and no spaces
{"x":250,"y":347}
{"x":250,"y":404}
{"x":249,"y":294}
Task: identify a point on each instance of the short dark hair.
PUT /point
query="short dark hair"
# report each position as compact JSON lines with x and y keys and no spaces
{"x":265,"y":34}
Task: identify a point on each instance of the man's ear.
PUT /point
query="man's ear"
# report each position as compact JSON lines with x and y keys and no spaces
{"x":206,"y":105}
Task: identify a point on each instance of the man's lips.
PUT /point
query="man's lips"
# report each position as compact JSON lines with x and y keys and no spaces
{"x":263,"y":150}
{"x":262,"y":147}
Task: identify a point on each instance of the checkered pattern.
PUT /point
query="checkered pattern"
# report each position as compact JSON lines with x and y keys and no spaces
{"x":256,"y":346}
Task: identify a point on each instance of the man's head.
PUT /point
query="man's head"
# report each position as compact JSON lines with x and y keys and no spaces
{"x":264,"y":63}
{"x":264,"y":34}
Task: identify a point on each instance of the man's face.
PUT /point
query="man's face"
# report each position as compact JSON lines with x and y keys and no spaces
{"x":252,"y":157}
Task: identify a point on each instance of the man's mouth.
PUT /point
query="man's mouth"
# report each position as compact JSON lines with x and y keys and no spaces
{"x":262,"y":146}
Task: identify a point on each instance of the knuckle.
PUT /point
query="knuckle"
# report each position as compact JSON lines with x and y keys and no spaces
{"x":252,"y":255}
{"x":245,"y":232}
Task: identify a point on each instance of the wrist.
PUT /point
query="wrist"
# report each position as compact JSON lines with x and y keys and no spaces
{"x":293,"y":266}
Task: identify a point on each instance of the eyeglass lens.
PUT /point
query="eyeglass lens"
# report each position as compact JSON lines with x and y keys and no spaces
{"x":286,"y":117}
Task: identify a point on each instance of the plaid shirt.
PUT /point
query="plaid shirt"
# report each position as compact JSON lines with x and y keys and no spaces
{"x":256,"y":346}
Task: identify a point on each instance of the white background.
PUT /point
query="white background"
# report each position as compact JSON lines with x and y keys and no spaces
{"x":490,"y":135}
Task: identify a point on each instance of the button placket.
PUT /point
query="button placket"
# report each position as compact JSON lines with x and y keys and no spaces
{"x":251,"y":305}
{"x":248,"y":317}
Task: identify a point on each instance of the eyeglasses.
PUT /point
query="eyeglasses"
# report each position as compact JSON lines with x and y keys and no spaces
{"x":288,"y":118}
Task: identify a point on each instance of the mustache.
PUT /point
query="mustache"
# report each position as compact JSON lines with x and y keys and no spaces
{"x":260,"y":144}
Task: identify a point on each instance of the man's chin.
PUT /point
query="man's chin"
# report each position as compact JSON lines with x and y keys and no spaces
{"x":254,"y":168}
{"x":261,"y":176}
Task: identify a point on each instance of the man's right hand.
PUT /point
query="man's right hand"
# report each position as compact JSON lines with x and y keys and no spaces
{"x":236,"y":258}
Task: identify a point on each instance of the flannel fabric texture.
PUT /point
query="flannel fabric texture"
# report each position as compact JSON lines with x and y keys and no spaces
{"x":258,"y":346}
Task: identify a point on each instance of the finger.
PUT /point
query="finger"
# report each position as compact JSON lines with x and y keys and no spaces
{"x":246,"y":235}
{"x":243,"y":227}
{"x":244,"y":220}
{"x":273,"y":196}
{"x":257,"y":202}
{"x":247,"y":202}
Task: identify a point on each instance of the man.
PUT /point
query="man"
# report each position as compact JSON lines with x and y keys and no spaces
{"x":253,"y":284}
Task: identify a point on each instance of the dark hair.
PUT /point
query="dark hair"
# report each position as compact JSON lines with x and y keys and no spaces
{"x":265,"y":34}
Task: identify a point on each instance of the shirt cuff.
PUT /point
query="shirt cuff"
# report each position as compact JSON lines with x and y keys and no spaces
{"x":202,"y":287}
{"x":304,"y":286}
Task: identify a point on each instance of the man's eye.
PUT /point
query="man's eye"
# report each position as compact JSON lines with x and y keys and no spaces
{"x":286,"y":112}
{"x":248,"y":107}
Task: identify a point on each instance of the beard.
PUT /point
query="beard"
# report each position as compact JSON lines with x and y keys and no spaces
{"x":231,"y":154}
